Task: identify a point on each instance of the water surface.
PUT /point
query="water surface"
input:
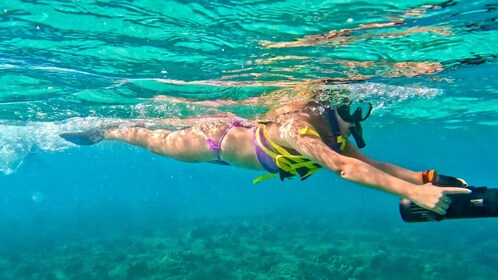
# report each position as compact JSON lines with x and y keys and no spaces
{"x":117,"y":212}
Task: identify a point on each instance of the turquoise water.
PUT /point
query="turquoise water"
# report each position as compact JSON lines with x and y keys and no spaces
{"x":113,"y":211}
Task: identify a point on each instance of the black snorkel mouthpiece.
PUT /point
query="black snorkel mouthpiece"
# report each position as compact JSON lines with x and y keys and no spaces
{"x":481,"y":203}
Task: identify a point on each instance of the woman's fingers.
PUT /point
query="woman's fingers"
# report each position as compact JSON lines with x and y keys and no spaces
{"x":436,"y":198}
{"x":442,"y":205}
{"x":446,"y":199}
{"x":454,"y":190}
{"x":439,"y":210}
{"x":444,"y":202}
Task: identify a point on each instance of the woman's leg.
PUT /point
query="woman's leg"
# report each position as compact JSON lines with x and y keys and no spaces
{"x":187,"y":145}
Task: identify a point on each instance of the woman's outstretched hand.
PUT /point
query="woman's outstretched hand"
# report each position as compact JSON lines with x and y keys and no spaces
{"x":434,"y":198}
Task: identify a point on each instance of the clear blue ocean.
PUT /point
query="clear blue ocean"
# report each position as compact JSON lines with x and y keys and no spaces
{"x":118,"y":212}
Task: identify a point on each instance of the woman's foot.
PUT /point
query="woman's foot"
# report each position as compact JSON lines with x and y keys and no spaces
{"x":84,"y":138}
{"x":89,"y":137}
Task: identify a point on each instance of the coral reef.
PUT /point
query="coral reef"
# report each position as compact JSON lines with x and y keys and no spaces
{"x":258,"y":248}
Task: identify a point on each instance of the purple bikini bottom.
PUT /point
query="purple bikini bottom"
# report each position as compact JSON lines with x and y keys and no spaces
{"x":216,"y":146}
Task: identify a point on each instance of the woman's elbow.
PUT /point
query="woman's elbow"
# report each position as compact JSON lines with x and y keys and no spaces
{"x":338,"y":165}
{"x":346,"y":168}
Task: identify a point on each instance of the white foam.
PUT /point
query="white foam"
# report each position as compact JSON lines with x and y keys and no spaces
{"x":18,"y":140}
{"x":384,"y":93}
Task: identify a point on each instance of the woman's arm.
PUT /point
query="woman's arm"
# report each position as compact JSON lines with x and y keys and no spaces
{"x":394,"y":170}
{"x":427,"y":196}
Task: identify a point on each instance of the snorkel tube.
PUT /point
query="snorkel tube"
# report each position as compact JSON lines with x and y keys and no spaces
{"x":357,"y":132}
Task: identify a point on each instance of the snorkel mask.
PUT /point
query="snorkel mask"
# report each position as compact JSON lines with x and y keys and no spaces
{"x":355,"y":115}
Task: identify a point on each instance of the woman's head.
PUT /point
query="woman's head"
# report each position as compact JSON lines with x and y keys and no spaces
{"x":316,"y":95}
{"x":292,"y":100}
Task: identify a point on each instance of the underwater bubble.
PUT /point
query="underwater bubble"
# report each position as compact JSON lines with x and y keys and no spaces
{"x":38,"y":197}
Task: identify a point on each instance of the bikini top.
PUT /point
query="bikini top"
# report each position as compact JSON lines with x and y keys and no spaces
{"x":286,"y":162}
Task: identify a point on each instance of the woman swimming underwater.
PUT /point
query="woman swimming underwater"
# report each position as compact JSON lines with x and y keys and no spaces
{"x":293,"y":140}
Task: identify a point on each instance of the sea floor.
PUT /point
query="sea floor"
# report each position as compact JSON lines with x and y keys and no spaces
{"x":266,"y":247}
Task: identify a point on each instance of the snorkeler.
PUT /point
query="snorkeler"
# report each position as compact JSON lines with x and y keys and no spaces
{"x":295,"y":140}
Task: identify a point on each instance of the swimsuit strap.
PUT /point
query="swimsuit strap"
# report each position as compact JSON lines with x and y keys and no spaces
{"x":341,"y":141}
{"x":278,"y":160}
